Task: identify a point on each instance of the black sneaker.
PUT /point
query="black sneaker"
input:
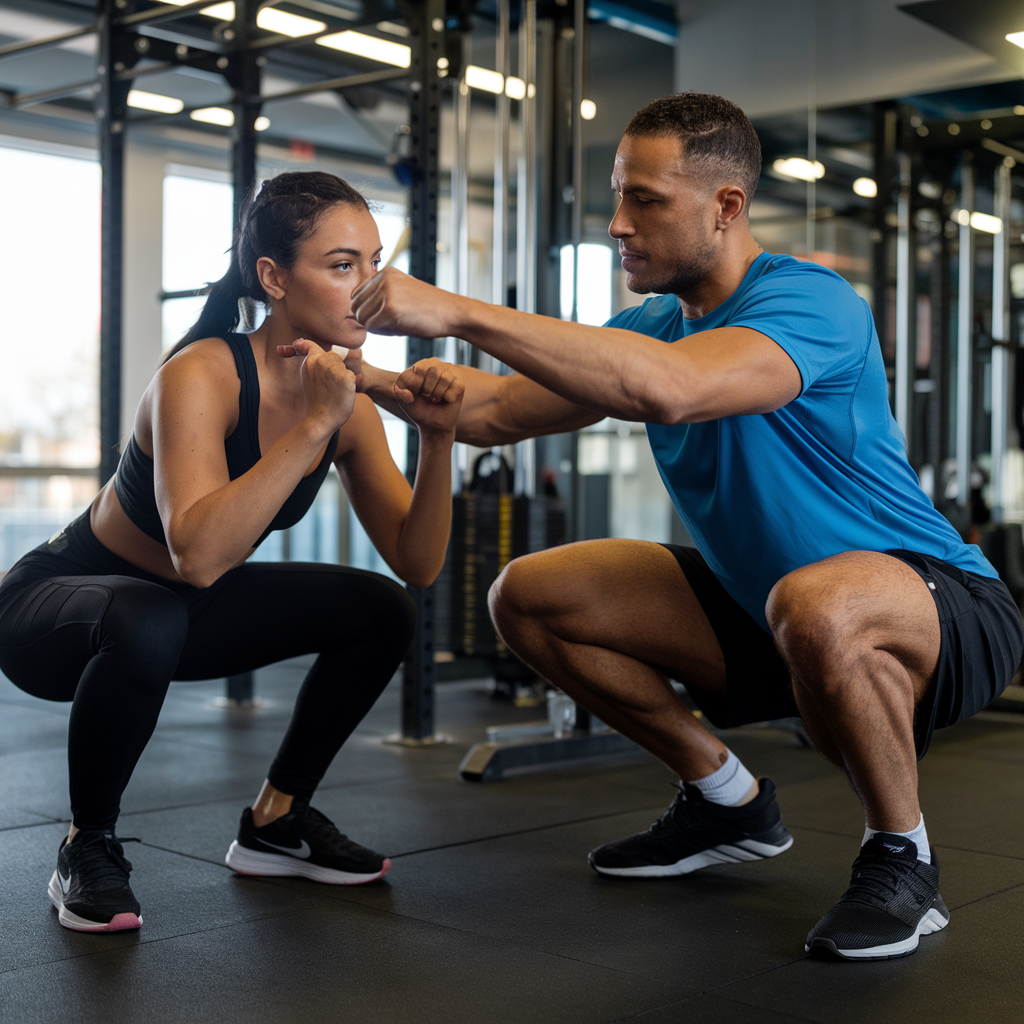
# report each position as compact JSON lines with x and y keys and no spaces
{"x":90,"y":886}
{"x":694,"y":833}
{"x":303,"y":843}
{"x":892,"y":901}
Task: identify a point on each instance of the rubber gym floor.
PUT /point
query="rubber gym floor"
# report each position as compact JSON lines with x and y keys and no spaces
{"x":490,"y":912}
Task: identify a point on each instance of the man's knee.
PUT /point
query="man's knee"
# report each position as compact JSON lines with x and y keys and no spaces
{"x":812,"y":619}
{"x":520,"y":592}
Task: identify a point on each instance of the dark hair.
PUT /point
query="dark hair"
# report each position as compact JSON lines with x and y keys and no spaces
{"x":273,"y":223}
{"x":718,"y":138}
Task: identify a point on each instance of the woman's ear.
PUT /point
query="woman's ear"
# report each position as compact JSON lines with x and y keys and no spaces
{"x":272,"y":277}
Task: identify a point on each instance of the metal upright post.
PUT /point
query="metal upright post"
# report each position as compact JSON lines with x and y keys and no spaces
{"x":114,"y":56}
{"x":243,"y":75}
{"x":426,"y":20}
{"x":964,"y":325}
{"x":1000,"y":334}
{"x":499,"y":261}
{"x":905,"y":294}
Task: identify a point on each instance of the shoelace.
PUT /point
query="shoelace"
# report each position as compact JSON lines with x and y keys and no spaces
{"x":103,"y":859}
{"x":318,"y":823}
{"x":871,"y":871}
{"x":676,"y":817}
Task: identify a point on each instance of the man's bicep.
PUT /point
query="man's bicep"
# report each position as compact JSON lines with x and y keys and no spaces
{"x":732,"y":371}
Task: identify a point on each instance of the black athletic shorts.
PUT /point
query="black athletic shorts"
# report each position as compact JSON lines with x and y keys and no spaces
{"x":982,"y":641}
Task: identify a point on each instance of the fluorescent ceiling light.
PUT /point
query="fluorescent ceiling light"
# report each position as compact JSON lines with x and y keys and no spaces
{"x":866,"y":187}
{"x":262,"y":124}
{"x":286,"y":24}
{"x":986,"y":222}
{"x":979,"y":221}
{"x":214,"y":115}
{"x":154,"y":101}
{"x":393,"y":28}
{"x":798,"y":167}
{"x":1017,"y":38}
{"x":363,"y":45}
{"x":588,"y":110}
{"x":515,"y":88}
{"x":270,"y":19}
{"x":482,"y":78}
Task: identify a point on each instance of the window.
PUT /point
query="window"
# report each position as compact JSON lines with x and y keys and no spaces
{"x":196,"y":246}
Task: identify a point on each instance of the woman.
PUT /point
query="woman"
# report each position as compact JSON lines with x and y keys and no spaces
{"x":232,"y":439}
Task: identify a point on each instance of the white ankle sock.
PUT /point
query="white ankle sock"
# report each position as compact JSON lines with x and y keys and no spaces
{"x":728,"y":785}
{"x":919,"y":836}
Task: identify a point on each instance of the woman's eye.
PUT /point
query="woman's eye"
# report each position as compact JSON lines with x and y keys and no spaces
{"x":343,"y":266}
{"x":375,"y":263}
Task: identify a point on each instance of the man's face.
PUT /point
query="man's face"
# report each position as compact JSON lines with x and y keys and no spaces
{"x":665,"y":221}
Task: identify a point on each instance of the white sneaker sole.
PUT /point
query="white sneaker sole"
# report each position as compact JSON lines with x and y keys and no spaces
{"x":118,"y":923}
{"x":253,"y":862}
{"x":727,"y":853}
{"x":932,"y":922}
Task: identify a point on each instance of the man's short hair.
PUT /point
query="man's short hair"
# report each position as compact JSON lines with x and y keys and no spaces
{"x":719,"y":141}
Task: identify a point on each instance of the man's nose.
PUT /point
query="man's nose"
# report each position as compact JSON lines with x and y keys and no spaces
{"x":620,"y":226}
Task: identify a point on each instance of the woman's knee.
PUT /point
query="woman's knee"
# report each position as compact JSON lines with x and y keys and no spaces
{"x":145,"y":624}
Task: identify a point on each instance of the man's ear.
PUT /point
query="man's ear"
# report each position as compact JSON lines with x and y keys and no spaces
{"x":272,"y":277}
{"x":732,"y":201}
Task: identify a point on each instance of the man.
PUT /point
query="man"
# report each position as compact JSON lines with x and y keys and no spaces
{"x":824,"y":581}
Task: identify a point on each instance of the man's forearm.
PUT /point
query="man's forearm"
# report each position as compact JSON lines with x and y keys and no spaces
{"x":612,"y":372}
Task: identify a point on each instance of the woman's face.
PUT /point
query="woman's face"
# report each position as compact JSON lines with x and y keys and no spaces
{"x":332,"y":262}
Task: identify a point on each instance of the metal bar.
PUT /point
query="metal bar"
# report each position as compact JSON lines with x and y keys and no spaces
{"x":488,"y":762}
{"x":526,"y":183}
{"x":1003,"y":150}
{"x":578,"y":70}
{"x":1000,"y":335}
{"x":30,"y":45}
{"x":964,"y":326}
{"x":28,"y":99}
{"x":499,"y":258}
{"x":111,"y":118}
{"x":526,"y":215}
{"x":339,"y":83}
{"x":904,"y":299}
{"x":460,"y":188}
{"x":243,"y":75}
{"x":155,"y":15}
{"x":426,"y":20}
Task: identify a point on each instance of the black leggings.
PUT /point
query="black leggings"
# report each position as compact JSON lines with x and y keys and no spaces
{"x":112,"y":641}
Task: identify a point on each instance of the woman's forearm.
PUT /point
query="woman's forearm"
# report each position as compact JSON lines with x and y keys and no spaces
{"x":423,"y":540}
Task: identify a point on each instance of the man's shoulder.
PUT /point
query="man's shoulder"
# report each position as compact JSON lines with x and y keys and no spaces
{"x":651,"y":316}
{"x":781,"y":272}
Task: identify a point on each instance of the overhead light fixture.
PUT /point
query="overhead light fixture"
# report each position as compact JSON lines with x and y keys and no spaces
{"x":588,"y":110}
{"x":1017,"y":38}
{"x":484,"y":79}
{"x":214,"y":115}
{"x":866,"y":187}
{"x":798,"y":167}
{"x":515,"y":88}
{"x":269,"y":18}
{"x":363,"y":45}
{"x":979,"y":221}
{"x":285,"y":24}
{"x":393,"y":28}
{"x":262,"y":124}
{"x":154,"y":101}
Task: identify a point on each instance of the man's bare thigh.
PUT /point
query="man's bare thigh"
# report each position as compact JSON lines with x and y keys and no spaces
{"x":626,"y":595}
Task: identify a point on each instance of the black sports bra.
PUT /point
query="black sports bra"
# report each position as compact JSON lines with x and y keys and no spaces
{"x":133,"y":481}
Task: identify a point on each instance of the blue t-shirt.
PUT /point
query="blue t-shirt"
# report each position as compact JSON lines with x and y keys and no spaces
{"x":763,"y":495}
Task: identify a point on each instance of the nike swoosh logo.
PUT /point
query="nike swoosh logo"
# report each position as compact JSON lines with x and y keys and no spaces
{"x":302,"y":852}
{"x":64,"y":882}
